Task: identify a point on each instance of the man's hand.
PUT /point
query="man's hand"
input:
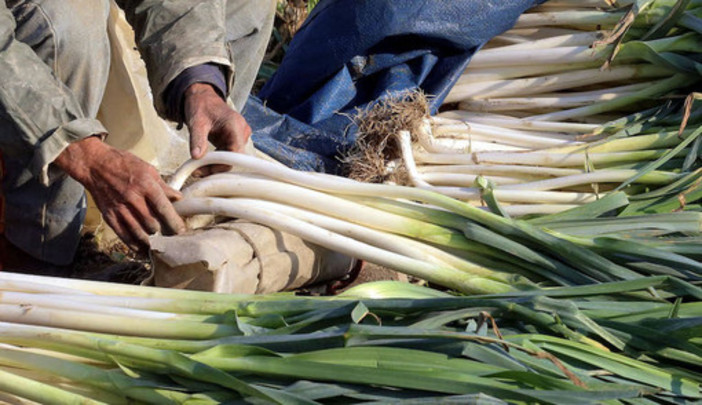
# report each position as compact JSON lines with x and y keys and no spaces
{"x":208,"y":116}
{"x":129,"y":192}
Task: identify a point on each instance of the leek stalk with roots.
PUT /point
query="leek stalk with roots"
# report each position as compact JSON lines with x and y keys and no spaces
{"x":557,"y":91}
{"x":544,"y":101}
{"x":549,"y":84}
{"x":503,"y":226}
{"x":605,"y":162}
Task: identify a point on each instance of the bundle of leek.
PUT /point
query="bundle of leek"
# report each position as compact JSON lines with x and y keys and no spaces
{"x":70,"y":341}
{"x":538,"y":119}
{"x":440,"y":239}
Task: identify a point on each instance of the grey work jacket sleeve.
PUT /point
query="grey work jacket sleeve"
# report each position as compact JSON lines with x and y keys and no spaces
{"x":175,"y":35}
{"x":45,"y":112}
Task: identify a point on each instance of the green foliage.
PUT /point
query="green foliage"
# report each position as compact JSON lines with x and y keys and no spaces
{"x":311,"y":4}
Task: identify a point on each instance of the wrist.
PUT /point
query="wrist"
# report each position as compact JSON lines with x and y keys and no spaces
{"x":197,"y":89}
{"x":208,"y":74}
{"x":78,"y":158}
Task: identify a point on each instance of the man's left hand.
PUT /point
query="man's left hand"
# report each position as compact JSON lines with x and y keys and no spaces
{"x":209,"y":117}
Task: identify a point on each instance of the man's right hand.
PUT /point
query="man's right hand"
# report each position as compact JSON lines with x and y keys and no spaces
{"x":129,"y":192}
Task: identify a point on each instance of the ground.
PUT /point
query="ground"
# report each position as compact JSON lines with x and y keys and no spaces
{"x":115,"y":264}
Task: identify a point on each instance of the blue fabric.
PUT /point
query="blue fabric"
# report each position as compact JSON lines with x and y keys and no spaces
{"x":350,"y":53}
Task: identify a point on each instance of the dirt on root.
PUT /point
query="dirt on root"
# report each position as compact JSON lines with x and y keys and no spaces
{"x":376,"y":146}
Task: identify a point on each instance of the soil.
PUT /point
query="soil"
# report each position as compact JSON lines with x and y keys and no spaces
{"x":115,"y":264}
{"x":373,"y":272}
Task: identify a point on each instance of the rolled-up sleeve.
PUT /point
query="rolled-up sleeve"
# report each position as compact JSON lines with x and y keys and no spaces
{"x":178,"y":34}
{"x":45,"y":112}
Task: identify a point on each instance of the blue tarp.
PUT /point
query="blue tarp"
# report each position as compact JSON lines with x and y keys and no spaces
{"x":349,"y":53}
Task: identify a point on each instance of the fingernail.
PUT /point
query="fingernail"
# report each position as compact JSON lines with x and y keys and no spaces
{"x":196,"y":151}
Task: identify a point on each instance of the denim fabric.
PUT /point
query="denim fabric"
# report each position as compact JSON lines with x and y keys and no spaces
{"x":349,"y":53}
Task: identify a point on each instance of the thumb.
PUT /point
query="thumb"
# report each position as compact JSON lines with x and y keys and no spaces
{"x":199,"y":132}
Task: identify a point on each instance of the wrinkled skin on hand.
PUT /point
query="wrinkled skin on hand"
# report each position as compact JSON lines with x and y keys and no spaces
{"x":129,"y":192}
{"x":209,"y":117}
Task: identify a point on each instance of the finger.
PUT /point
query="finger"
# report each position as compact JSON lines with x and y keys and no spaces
{"x":134,"y":228}
{"x":121,"y":231}
{"x":172,"y":223}
{"x":199,"y":132}
{"x":138,"y":205}
{"x":238,"y":135}
{"x":246,"y":135}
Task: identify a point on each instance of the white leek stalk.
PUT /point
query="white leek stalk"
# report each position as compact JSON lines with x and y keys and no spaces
{"x":442,"y":275}
{"x":555,"y":82}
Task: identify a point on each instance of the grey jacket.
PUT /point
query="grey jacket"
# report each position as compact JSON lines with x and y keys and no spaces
{"x":171,"y":36}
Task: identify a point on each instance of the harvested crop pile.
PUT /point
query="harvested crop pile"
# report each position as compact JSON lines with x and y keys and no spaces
{"x":555,"y":201}
{"x":578,"y":100}
{"x":92,"y":342}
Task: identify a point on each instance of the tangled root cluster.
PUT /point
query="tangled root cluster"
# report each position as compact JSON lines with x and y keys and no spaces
{"x":375,"y":145}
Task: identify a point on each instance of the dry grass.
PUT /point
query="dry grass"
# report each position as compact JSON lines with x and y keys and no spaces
{"x":290,"y":16}
{"x":375,"y":146}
